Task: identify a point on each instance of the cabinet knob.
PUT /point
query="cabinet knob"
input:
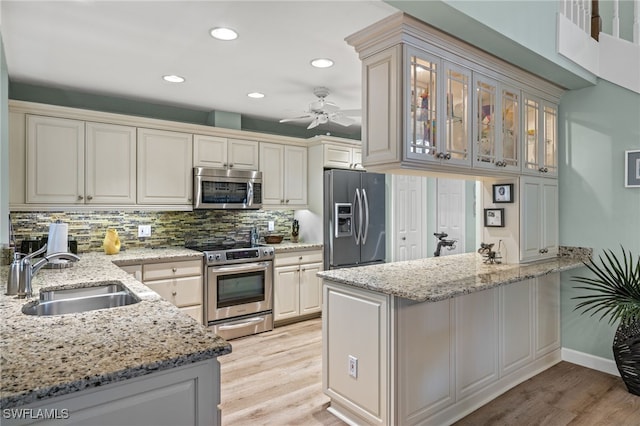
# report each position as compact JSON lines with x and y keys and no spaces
{"x":89,"y":197}
{"x":287,"y":201}
{"x":300,"y":258}
{"x":404,"y":238}
{"x":174,"y":269}
{"x":447,"y":157}
{"x":173,"y":293}
{"x":80,"y":197}
{"x":304,"y":269}
{"x":281,"y":201}
{"x":230,"y":165}
{"x":224,"y":164}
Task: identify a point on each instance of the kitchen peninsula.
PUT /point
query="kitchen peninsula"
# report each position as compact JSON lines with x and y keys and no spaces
{"x":428,"y":341}
{"x":145,"y":363}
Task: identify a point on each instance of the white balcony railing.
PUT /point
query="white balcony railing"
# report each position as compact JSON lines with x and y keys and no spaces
{"x":609,"y":56}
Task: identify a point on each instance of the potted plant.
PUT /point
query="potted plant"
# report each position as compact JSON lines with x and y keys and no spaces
{"x":295,"y":229}
{"x":617,"y":296}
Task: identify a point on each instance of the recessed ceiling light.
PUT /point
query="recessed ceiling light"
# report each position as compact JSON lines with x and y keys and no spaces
{"x":173,"y":78}
{"x":223,"y":33}
{"x":322,"y":62}
{"x":255,"y":95}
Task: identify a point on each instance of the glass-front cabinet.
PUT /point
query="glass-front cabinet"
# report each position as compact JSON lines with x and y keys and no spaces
{"x":497,"y":125}
{"x":439,"y":105}
{"x":540,"y":138}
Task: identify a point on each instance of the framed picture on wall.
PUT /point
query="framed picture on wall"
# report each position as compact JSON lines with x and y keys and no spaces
{"x":494,"y":217}
{"x":503,"y":193}
{"x":632,"y":169}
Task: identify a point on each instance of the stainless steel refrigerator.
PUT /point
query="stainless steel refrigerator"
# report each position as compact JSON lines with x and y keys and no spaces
{"x":354,"y":218}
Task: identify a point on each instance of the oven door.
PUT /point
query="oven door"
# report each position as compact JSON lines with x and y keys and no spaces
{"x":238,"y":290}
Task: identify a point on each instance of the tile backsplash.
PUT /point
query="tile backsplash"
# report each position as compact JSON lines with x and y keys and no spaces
{"x":167,"y":228}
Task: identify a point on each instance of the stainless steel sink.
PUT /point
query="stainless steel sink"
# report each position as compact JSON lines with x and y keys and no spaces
{"x":109,"y":294}
{"x":95,"y":289}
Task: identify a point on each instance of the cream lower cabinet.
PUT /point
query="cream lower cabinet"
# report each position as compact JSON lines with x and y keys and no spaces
{"x":77,"y":162}
{"x":445,"y":358}
{"x":179,"y":282}
{"x":297,"y":290}
{"x":165,"y":167}
{"x":284,"y":175}
{"x":186,"y":395}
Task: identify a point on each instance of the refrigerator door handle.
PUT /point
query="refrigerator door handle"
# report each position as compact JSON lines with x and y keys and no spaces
{"x":357,"y":205}
{"x":366,"y":215}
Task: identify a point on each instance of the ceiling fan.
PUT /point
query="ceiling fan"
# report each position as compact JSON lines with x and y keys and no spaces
{"x":323,"y":111}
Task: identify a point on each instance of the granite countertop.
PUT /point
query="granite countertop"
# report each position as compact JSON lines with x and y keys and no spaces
{"x":48,"y":356}
{"x":287,"y":246}
{"x":439,"y":278}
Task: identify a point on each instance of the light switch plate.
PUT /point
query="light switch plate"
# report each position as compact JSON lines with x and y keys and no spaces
{"x":144,"y":231}
{"x":271,"y":225}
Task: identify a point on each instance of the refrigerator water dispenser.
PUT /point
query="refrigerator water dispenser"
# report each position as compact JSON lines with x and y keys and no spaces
{"x":344,"y":220}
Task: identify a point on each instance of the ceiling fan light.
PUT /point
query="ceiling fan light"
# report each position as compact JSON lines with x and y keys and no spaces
{"x":222,"y":33}
{"x":322,"y":63}
{"x":173,"y":78}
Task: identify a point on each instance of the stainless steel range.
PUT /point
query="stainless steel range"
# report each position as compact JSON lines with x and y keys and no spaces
{"x":238,"y":288}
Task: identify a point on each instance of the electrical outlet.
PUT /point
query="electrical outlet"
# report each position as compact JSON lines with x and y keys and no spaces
{"x":144,"y":231}
{"x":272,"y":225}
{"x":353,"y":366}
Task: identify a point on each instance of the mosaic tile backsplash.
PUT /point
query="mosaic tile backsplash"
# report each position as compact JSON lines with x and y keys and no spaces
{"x":167,"y":228}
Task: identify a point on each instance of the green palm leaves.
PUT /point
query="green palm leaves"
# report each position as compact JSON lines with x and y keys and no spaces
{"x":616,"y":286}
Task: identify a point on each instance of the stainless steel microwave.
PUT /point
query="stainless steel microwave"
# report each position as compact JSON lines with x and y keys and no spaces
{"x":226,"y":189}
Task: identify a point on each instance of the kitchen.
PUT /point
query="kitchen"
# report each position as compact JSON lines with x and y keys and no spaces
{"x":566,"y":224}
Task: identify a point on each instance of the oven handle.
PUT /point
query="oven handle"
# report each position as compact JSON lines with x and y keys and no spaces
{"x":244,"y":267}
{"x":250,"y":321}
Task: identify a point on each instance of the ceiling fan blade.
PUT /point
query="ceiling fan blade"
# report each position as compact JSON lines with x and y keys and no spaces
{"x":341,"y":120}
{"x":302,"y":117}
{"x":351,"y":112}
{"x":314,"y":123}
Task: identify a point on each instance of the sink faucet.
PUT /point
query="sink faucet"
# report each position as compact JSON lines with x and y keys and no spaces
{"x":27,"y":270}
{"x":450,"y":244}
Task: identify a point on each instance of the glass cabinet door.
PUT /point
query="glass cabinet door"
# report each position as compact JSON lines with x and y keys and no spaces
{"x":423,"y":127}
{"x":531,"y":134}
{"x":510,"y":124}
{"x":550,"y":143}
{"x":457,"y":121}
{"x":485,"y":121}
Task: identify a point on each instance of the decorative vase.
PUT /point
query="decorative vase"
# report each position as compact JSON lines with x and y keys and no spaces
{"x":626,"y":351}
{"x":111,"y":242}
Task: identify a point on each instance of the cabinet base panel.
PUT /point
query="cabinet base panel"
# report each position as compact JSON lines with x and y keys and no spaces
{"x":465,"y":406}
{"x":301,"y":318}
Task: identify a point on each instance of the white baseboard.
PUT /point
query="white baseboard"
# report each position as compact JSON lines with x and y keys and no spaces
{"x":590,"y":361}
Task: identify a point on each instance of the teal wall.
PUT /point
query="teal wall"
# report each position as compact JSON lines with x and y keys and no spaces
{"x":596,"y":126}
{"x":4,"y":148}
{"x":141,"y":108}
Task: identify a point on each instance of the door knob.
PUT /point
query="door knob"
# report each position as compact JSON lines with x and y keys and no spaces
{"x":404,"y":238}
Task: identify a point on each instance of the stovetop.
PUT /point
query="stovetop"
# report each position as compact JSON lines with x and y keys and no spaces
{"x":227,"y":252}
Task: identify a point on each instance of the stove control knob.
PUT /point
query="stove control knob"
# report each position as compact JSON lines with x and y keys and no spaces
{"x":218,"y":256}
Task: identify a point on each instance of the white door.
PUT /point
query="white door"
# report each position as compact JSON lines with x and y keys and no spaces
{"x":451,"y":213}
{"x":409,"y":214}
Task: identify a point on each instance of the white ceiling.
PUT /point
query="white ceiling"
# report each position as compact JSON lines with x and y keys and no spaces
{"x":123,"y":48}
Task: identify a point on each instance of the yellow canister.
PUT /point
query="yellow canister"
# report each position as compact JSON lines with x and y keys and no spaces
{"x":111,"y":242}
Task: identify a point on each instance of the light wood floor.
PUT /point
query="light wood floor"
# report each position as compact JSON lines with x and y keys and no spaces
{"x":274,"y":378}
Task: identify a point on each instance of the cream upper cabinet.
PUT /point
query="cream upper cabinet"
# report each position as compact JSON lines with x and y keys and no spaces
{"x":342,"y":157}
{"x":284,"y":175}
{"x":164,"y":167}
{"x":540,"y":140}
{"x":538,"y":218}
{"x":77,"y":162}
{"x":55,"y":160}
{"x":497,"y":125}
{"x":438,"y":128}
{"x":110,"y":173}
{"x":223,"y":153}
{"x":433,"y":103}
